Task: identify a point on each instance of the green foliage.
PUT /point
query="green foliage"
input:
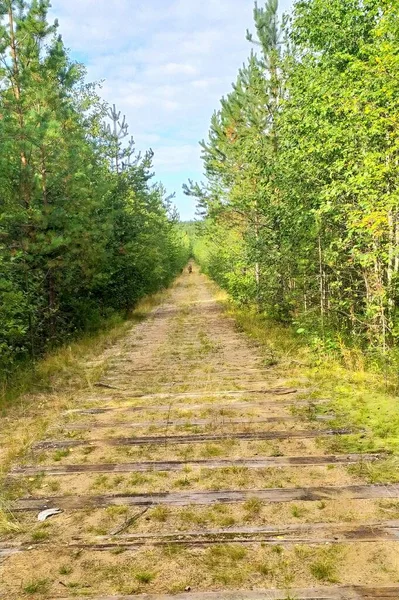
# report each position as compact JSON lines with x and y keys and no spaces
{"x":301,"y":173}
{"x":78,"y":240}
{"x":145,"y":576}
{"x":39,"y":586}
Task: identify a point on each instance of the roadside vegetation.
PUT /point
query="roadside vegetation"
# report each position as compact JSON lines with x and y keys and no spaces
{"x":358,"y":395}
{"x":299,"y":208}
{"x":85,"y":231}
{"x":300,"y":200}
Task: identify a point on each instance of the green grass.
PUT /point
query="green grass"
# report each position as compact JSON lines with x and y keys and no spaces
{"x":298,"y":511}
{"x":381,"y":471}
{"x":223,"y":555}
{"x":211,"y":450}
{"x":323,"y":570}
{"x":182,"y":482}
{"x":102,"y":482}
{"x":190,"y":516}
{"x":60,"y":454}
{"x":160,"y":514}
{"x":322,"y":562}
{"x":116,"y":511}
{"x":38,"y":586}
{"x":145,"y":576}
{"x":361,"y":387}
{"x":65,"y":570}
{"x":40,"y":535}
{"x":253,"y":506}
{"x":138,"y":479}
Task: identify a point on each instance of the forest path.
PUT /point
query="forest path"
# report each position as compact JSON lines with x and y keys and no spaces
{"x":186,"y":470}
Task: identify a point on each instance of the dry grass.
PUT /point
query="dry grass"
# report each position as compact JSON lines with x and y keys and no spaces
{"x":8,"y":524}
{"x":230,"y":448}
{"x":78,"y":364}
{"x":57,"y":378}
{"x":221,"y":566}
{"x":189,"y":479}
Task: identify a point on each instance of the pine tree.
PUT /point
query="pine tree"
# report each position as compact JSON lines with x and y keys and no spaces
{"x":78,"y":238}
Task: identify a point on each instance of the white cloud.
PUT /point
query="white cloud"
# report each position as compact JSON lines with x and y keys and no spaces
{"x":166,"y":64}
{"x":204,"y":83}
{"x":173,"y":158}
{"x":178,"y":69}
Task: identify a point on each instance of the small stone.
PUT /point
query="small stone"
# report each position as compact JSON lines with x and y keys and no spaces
{"x":187,"y":589}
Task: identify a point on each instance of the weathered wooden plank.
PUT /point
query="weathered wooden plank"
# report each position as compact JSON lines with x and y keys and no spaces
{"x":123,"y":393}
{"x":384,"y":593}
{"x":6,"y":552}
{"x":160,"y":370}
{"x":199,"y":384}
{"x":216,"y":420}
{"x":318,"y":593}
{"x":193,"y":376}
{"x":308,"y":494}
{"x":175,"y":465}
{"x":319,"y":533}
{"x":219,"y":420}
{"x":267,"y":405}
{"x":191,"y":439}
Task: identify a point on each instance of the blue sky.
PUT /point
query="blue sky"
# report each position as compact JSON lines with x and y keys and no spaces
{"x":166,"y":64}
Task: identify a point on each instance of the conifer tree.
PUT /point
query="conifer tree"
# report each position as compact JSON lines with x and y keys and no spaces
{"x":77,"y":238}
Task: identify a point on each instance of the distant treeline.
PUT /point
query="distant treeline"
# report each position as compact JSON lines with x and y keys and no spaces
{"x":83,"y":230}
{"x":301,"y":198}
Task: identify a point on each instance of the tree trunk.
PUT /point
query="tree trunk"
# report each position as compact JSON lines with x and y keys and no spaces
{"x":321,"y":284}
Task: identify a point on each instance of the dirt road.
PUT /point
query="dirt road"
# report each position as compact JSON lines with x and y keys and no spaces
{"x":185,"y":470}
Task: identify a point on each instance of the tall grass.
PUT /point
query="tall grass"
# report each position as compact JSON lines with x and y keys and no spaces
{"x":362,"y":387}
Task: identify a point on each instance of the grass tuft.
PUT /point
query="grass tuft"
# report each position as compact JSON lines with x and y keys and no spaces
{"x":65,"y":570}
{"x":38,"y":586}
{"x":253,"y":506}
{"x":7,"y":522}
{"x":323,"y":570}
{"x":145,"y":576}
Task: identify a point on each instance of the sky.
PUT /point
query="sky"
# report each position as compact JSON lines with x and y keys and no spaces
{"x":165,"y":64}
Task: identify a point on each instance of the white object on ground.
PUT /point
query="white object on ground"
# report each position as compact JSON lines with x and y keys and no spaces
{"x":50,"y":512}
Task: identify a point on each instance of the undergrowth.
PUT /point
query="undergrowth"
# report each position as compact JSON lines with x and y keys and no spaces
{"x":66,"y":366}
{"x":361,"y":390}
